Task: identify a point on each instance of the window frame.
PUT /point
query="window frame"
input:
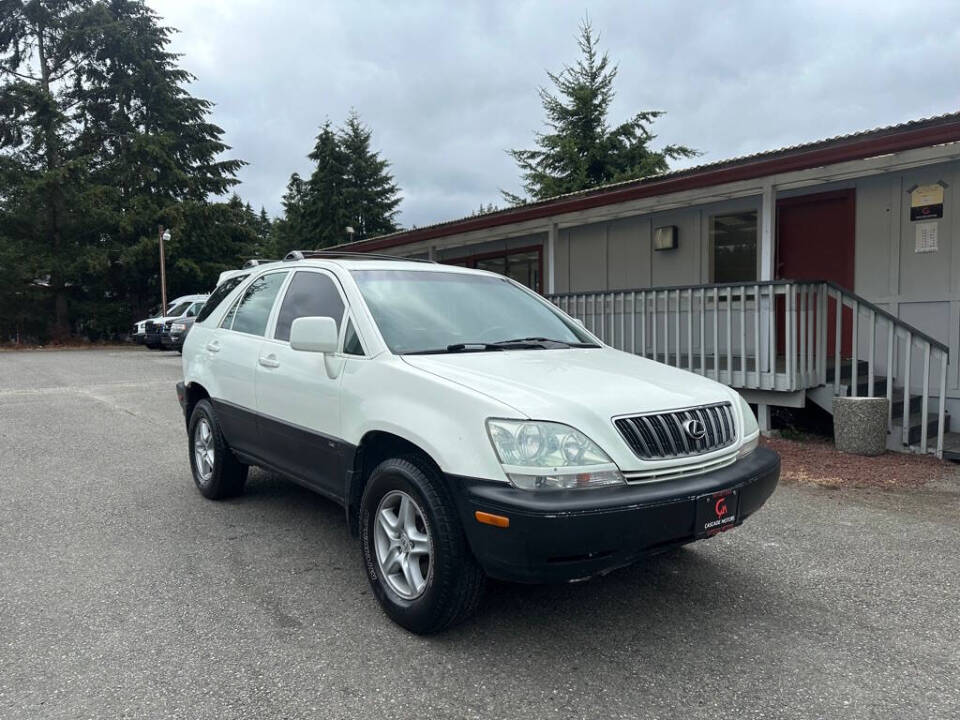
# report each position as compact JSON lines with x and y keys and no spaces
{"x":243,"y":292}
{"x":348,"y":313}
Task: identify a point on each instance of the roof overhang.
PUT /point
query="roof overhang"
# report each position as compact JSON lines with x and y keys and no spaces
{"x":886,"y":141}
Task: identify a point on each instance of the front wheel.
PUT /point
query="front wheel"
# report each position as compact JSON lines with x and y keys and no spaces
{"x":416,"y":555}
{"x":216,"y":471}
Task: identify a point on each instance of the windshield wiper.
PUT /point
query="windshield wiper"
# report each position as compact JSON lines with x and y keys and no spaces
{"x":481,"y":347}
{"x":540,"y":341}
{"x":529,"y":343}
{"x":457,"y":348}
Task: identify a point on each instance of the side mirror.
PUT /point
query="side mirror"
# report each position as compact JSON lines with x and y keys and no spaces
{"x":314,"y":334}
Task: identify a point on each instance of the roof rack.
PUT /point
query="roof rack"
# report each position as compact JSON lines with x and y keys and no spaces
{"x":253,"y":262}
{"x":308,"y":254}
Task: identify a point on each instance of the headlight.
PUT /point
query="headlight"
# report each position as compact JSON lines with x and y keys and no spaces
{"x":550,"y":456}
{"x":178,"y":327}
{"x":751,"y":430}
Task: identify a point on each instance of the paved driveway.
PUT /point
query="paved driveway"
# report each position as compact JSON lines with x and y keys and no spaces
{"x":124,"y":594}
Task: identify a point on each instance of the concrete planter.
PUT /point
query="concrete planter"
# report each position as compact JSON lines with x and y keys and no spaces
{"x":860,"y":425}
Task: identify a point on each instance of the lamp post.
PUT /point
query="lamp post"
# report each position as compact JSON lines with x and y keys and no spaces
{"x":164,"y":237}
{"x":350,"y":233}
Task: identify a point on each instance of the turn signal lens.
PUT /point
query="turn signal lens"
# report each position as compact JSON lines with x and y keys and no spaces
{"x":491,"y":519}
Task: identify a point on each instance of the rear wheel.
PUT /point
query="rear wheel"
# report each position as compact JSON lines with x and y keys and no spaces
{"x":416,"y":555}
{"x":216,"y":471}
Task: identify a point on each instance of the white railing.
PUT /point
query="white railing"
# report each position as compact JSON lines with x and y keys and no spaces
{"x":783,"y":336}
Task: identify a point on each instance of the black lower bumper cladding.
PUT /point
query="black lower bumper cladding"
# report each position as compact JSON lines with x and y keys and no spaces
{"x":566,"y":535}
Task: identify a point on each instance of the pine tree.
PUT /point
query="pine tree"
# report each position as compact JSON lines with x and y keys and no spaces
{"x":287,"y":232}
{"x":42,"y":45}
{"x":581,"y":150}
{"x":324,"y":218}
{"x":370,"y":197}
{"x":350,"y":186}
{"x":101,"y":144}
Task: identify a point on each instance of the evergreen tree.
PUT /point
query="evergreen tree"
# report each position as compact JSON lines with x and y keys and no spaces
{"x":370,"y":197}
{"x":324,"y":217}
{"x":287,"y":232}
{"x":42,"y":46}
{"x":581,"y":150}
{"x":350,"y":186}
{"x":101,"y":144}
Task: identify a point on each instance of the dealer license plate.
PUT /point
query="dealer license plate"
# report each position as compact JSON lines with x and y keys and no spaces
{"x":716,"y":512}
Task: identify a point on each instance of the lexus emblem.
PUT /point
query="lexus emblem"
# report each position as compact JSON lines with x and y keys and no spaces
{"x":694,"y":428}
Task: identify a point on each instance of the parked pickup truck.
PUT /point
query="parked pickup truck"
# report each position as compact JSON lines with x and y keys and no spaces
{"x":469,"y":428}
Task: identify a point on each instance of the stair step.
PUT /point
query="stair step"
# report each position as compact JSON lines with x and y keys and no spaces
{"x":879,"y":386}
{"x":862,"y":368}
{"x":915,"y":421}
{"x":896,"y":406}
{"x":951,"y":446}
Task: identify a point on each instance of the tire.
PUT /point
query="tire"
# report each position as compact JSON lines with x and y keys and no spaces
{"x":225,"y":476}
{"x":453,"y":582}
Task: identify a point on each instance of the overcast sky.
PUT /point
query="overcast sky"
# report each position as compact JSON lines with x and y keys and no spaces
{"x":447,"y":87}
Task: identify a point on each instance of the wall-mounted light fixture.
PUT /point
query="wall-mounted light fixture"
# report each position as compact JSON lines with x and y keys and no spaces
{"x":665,"y":238}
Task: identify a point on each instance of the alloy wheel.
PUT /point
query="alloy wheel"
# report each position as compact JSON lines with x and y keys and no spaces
{"x":403,"y":545}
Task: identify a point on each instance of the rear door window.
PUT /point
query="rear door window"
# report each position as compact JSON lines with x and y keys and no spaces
{"x":251,"y":314}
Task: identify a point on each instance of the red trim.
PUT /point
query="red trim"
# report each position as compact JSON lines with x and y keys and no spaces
{"x":816,"y":197}
{"x":881,"y":143}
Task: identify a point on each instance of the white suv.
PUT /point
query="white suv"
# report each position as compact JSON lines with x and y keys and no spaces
{"x":468,"y":427}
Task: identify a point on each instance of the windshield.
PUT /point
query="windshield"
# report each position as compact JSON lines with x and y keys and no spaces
{"x":179,"y":310}
{"x":429,"y":311}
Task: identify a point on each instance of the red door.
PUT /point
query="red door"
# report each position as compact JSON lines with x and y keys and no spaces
{"x":815,"y":241}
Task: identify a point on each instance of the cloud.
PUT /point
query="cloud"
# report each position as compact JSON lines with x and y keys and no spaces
{"x":448,"y":87}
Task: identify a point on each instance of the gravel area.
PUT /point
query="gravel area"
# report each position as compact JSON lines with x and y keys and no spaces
{"x":124,"y":594}
{"x":815,"y":461}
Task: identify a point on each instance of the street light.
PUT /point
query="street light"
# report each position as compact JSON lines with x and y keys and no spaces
{"x":350,"y":232}
{"x":164,"y":237}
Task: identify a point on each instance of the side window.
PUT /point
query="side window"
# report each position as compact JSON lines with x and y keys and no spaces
{"x":351,"y":341}
{"x":217,"y":296}
{"x":194,"y":309}
{"x":253,"y":311}
{"x":310,"y":295}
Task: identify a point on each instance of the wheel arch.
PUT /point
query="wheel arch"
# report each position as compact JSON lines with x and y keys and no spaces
{"x":194,"y":392}
{"x":375,"y":447}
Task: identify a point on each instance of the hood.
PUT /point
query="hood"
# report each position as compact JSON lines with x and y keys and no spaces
{"x":563,"y":385}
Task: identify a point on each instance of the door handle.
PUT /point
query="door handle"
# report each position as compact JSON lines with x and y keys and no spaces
{"x":269,"y":361}
{"x":213,"y":346}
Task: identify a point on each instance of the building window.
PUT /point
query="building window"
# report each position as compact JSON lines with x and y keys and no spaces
{"x":734,"y":241}
{"x":522,"y":265}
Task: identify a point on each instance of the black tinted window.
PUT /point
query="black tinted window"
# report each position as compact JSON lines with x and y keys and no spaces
{"x":351,"y":341}
{"x":310,"y":295}
{"x":217,"y":296}
{"x":254,"y":309}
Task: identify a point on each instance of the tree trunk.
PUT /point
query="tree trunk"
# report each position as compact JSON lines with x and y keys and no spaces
{"x":59,"y":328}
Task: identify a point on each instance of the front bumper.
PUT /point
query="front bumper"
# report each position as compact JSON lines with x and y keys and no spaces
{"x":567,"y":535}
{"x":172,"y":341}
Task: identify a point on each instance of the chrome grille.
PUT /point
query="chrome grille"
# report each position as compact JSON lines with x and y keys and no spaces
{"x":662,"y":435}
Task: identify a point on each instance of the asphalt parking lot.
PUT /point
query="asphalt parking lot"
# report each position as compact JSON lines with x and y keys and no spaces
{"x":123,"y":593}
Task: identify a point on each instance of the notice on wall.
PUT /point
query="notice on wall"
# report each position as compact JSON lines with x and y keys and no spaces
{"x":926,"y":202}
{"x":926,"y":237}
